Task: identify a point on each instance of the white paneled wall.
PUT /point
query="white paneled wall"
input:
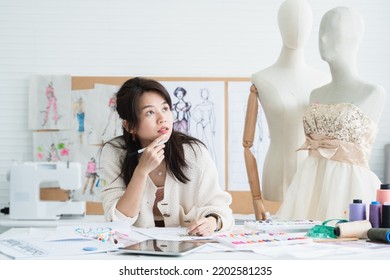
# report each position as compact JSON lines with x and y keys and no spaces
{"x":199,"y":38}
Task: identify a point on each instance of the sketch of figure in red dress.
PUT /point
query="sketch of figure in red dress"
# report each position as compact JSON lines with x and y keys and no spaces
{"x":91,"y":175}
{"x":51,"y":105}
{"x":113,"y":115}
{"x":181,"y":110}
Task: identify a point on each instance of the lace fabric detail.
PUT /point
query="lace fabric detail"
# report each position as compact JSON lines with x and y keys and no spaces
{"x":342,"y":121}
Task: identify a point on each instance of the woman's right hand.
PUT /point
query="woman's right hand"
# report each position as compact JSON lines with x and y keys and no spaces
{"x":152,"y":156}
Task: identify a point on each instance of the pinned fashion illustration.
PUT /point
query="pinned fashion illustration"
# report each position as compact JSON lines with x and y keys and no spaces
{"x":204,"y":116}
{"x":181,"y":109}
{"x":79,"y":113}
{"x":113,"y":116}
{"x":90,"y":176}
{"x":51,"y":105}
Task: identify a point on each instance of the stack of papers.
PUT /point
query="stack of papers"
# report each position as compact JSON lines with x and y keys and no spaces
{"x":85,"y":239}
{"x":67,"y":241}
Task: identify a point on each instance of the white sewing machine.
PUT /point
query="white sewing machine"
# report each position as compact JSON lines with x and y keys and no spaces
{"x":26,"y":181}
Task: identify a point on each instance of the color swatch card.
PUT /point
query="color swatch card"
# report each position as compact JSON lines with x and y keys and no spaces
{"x":251,"y":238}
{"x":274,"y":225}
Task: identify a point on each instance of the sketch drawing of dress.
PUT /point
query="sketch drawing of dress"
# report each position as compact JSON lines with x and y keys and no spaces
{"x":181,"y":110}
{"x":51,"y":105}
{"x":205,"y":119}
{"x":79,"y":112}
{"x":112,"y":115}
{"x":339,"y":138}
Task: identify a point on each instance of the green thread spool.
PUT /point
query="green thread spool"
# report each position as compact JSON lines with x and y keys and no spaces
{"x":379,"y":234}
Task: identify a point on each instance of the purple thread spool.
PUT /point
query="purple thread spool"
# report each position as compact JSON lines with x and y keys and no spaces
{"x":375,"y":214}
{"x":357,"y":210}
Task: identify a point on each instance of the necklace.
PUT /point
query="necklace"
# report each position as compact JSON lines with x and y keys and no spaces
{"x":161,"y":171}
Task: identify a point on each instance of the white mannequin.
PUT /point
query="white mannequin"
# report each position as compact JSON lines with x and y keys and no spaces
{"x":341,"y":31}
{"x":340,"y":126}
{"x":283,"y":90}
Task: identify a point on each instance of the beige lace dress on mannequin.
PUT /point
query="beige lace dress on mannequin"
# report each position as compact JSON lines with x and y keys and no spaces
{"x":339,"y":139}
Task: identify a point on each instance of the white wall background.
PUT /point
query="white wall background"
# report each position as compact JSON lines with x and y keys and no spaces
{"x":194,"y":38}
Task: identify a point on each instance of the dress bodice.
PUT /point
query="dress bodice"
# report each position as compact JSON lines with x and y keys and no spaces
{"x":343,"y":128}
{"x":342,"y":121}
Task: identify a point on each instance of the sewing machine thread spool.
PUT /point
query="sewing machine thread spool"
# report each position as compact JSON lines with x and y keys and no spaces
{"x":379,"y":234}
{"x":356,"y":229}
{"x":383,"y":194}
{"x":386,"y":215}
{"x":375,"y":214}
{"x":357,"y":210}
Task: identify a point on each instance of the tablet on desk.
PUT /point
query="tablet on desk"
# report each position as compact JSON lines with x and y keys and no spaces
{"x":162,"y":247}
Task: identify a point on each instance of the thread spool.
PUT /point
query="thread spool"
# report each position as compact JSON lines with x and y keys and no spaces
{"x":385,"y":215}
{"x":375,"y":214}
{"x":383,"y":194}
{"x":379,"y":234}
{"x":387,"y":163}
{"x":356,"y":229}
{"x":357,"y":210}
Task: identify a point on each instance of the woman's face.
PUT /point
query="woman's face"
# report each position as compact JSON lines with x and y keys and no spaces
{"x":155,"y":118}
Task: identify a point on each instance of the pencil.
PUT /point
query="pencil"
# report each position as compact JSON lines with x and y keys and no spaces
{"x":140,"y":151}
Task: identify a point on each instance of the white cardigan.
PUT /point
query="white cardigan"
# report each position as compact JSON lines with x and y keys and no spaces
{"x":182,"y":203}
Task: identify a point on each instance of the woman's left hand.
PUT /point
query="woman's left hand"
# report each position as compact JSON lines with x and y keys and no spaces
{"x":202,"y":227}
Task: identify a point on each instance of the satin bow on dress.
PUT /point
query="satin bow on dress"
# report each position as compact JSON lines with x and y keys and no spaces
{"x":335,"y":149}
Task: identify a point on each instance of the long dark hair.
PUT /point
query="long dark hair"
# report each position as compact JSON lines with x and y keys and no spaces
{"x":127,"y":100}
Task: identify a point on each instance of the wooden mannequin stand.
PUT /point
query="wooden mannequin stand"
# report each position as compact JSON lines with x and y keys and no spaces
{"x":250,"y":161}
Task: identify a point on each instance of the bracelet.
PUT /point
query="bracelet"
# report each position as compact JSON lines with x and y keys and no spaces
{"x":217,"y":219}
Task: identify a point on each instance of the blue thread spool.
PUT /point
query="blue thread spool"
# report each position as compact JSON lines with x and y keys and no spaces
{"x":375,"y":214}
{"x":357,"y":210}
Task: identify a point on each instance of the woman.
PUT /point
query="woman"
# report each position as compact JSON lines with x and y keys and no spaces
{"x":157,"y":176}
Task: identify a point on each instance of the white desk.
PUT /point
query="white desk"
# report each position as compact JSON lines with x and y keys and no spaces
{"x":286,"y":254}
{"x":278,"y":258}
{"x":6,"y":223}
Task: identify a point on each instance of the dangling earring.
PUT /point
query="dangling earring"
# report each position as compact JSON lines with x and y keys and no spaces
{"x":133,"y":136}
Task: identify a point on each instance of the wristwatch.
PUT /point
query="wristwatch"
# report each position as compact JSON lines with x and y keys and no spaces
{"x":217,"y":219}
